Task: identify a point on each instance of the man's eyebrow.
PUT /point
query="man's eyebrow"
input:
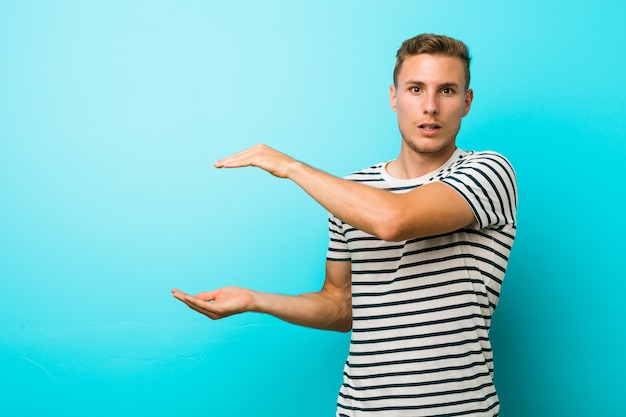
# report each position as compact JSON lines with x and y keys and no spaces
{"x":445,"y":85}
{"x":421,"y":83}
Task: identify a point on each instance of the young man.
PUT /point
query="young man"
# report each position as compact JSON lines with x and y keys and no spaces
{"x":418,"y":250}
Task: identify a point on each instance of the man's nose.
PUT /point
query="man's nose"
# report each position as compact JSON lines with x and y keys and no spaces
{"x":431,"y":104}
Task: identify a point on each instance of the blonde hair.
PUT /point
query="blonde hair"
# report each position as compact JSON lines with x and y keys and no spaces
{"x":428,"y":43}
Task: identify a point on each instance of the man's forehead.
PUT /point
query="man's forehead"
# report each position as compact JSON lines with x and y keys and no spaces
{"x":427,"y":67}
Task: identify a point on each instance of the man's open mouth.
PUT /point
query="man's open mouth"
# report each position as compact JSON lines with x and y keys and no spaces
{"x":429,"y":126}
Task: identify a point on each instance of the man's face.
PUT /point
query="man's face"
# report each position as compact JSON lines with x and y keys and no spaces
{"x":430,"y":100}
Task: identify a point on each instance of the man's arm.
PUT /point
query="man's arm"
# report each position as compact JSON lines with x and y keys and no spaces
{"x":428,"y":210}
{"x":329,"y":309}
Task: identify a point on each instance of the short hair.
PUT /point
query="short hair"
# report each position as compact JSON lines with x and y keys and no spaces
{"x":428,"y":43}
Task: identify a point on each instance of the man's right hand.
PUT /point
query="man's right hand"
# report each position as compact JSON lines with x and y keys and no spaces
{"x":329,"y":309}
{"x":219,"y":303}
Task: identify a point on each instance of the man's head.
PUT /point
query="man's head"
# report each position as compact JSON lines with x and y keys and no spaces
{"x":430,"y":93}
{"x":430,"y":44}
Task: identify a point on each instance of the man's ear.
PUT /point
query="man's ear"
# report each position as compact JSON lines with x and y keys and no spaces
{"x":392,"y":97}
{"x":469,"y":97}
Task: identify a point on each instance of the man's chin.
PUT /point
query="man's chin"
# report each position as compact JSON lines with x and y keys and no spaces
{"x":432,"y":146}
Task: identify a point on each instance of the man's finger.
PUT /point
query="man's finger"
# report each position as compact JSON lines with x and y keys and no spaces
{"x":239,"y":159}
{"x":201,"y":306}
{"x":206,"y":295}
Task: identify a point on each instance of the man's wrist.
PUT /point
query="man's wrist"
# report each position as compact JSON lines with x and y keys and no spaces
{"x":256,"y":302}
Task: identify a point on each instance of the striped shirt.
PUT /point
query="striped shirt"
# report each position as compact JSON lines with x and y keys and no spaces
{"x":422,"y":308}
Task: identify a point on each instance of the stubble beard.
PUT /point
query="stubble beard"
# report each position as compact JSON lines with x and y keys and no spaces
{"x":441,"y":145}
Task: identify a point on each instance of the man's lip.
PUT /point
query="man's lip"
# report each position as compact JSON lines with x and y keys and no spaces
{"x":429,"y":129}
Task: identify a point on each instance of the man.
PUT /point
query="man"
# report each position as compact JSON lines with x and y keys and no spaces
{"x":418,"y":250}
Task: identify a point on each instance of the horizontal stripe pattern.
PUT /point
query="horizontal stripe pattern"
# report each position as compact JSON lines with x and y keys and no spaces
{"x":422,"y":308}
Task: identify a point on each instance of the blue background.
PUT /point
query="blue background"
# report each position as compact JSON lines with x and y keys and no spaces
{"x":112,"y":112}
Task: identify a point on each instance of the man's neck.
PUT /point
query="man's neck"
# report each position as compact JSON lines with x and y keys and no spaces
{"x":411,"y":164}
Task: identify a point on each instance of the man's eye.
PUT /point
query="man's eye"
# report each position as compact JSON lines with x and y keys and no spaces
{"x":416,"y":89}
{"x":447,"y":91}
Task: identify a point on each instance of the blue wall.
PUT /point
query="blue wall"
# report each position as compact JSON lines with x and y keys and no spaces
{"x":112,"y":112}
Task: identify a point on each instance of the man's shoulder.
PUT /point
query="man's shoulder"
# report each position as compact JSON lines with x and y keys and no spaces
{"x":368,"y":174}
{"x":484,"y":158}
{"x":482,"y":155}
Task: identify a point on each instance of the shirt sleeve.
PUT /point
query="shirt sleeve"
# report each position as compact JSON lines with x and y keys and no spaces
{"x":337,"y":246}
{"x":486,"y":180}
